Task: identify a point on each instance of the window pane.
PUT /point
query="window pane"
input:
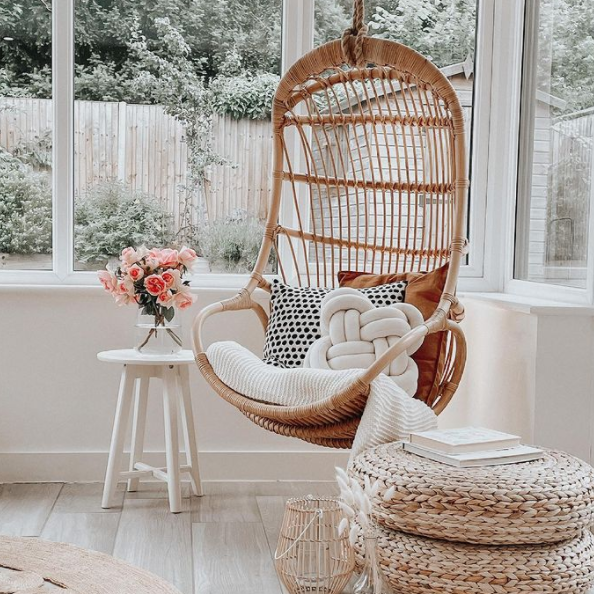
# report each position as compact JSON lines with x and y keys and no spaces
{"x":444,"y":32}
{"x":557,"y":134}
{"x":25,"y":135}
{"x":172,"y":127}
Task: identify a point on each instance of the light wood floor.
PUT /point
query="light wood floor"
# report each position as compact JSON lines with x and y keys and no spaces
{"x":222,"y":543}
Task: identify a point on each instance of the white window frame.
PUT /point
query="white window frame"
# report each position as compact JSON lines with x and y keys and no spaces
{"x":298,"y":32}
{"x":506,"y":157}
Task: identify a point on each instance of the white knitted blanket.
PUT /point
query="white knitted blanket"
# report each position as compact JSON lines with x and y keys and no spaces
{"x":391,"y":414}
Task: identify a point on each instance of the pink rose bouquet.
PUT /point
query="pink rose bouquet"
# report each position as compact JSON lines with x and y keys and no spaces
{"x":153,"y":280}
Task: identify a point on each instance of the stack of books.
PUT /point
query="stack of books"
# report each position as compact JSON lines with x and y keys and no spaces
{"x":471,"y":446}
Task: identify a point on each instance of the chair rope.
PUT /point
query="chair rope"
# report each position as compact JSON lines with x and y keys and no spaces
{"x":354,"y":56}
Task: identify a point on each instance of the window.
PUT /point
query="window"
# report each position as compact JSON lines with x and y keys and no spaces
{"x":161,"y":120}
{"x":556,"y":161}
{"x":172,"y":131}
{"x":443,"y":31}
{"x":25,"y":135}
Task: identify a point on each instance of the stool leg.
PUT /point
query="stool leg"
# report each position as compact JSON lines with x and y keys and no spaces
{"x":170,"y":399}
{"x":119,"y":433}
{"x":139,"y":424}
{"x":189,"y":430}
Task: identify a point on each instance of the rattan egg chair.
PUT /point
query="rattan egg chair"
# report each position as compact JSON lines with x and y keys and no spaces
{"x":369,"y":175}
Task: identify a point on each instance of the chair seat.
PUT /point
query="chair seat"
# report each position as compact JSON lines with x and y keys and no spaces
{"x":320,"y":406}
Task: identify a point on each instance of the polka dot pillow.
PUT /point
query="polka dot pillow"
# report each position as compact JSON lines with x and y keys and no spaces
{"x":294,"y":322}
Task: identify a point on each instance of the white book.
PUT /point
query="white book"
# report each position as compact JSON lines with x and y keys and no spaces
{"x":464,"y":439}
{"x":521,"y":453}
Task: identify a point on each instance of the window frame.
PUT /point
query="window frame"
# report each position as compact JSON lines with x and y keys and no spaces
{"x":524,"y":15}
{"x":297,"y":39}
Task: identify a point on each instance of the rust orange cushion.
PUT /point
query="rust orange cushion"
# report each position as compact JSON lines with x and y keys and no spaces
{"x":423,"y":290}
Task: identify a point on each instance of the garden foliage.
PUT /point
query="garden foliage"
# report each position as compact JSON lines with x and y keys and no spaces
{"x":25,"y":208}
{"x":111,"y":217}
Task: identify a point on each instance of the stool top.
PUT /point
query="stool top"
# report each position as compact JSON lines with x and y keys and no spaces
{"x":133,"y":357}
{"x":542,"y":501}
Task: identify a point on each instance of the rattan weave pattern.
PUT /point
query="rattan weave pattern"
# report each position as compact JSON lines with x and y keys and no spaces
{"x":418,"y":565}
{"x":545,"y":501}
{"x":76,"y":570}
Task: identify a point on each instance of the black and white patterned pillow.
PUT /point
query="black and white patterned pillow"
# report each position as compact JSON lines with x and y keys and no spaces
{"x":294,"y":323}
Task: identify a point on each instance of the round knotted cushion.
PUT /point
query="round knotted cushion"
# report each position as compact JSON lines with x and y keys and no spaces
{"x":354,"y":333}
{"x":418,"y":565}
{"x":544,"y":501}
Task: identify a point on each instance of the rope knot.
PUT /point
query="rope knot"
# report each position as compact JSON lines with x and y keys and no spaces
{"x":355,"y":334}
{"x":354,"y":37}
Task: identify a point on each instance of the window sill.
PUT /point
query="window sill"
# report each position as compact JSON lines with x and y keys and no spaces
{"x":84,"y":282}
{"x":529,"y":305}
{"x":48,"y":280}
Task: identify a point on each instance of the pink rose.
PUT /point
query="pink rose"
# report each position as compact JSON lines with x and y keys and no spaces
{"x":108,"y":280}
{"x":125,"y":293}
{"x":155,"y":284}
{"x":165,"y":299}
{"x":150,"y":263}
{"x":124,"y":299}
{"x":172,"y":278}
{"x":126,"y":286}
{"x":183,"y":299}
{"x":135,"y":272}
{"x":187,"y":256}
{"x":129,"y":256}
{"x":168,"y":258}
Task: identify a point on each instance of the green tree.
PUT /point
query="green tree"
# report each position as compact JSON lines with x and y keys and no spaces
{"x":442,"y":30}
{"x":566,"y":52}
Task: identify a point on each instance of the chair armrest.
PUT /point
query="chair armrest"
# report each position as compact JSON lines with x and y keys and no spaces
{"x":243,"y":300}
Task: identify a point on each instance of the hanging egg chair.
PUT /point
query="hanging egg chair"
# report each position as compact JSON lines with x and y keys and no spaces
{"x":369,"y":175}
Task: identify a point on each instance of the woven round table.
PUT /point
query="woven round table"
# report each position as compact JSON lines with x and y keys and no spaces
{"x":545,"y":501}
{"x":73,"y":570}
{"x":418,"y":565}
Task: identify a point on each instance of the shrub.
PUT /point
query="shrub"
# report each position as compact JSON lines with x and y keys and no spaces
{"x":112,"y":216}
{"x":25,"y":208}
{"x":244,"y":96}
{"x":233,"y":244}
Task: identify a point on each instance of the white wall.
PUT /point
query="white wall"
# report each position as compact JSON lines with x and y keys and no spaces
{"x":497,"y":387}
{"x":57,"y":401}
{"x":530,"y":371}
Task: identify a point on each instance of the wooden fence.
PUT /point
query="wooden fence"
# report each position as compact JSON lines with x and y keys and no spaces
{"x":145,"y":147}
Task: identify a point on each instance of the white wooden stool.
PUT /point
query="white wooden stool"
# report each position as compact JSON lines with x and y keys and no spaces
{"x":134,"y":385}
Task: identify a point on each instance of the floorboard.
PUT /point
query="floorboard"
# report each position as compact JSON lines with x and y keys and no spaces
{"x":95,"y":531}
{"x":272,"y":509}
{"x":222,"y":543}
{"x":155,"y":490}
{"x":151,"y":537}
{"x":25,"y":508}
{"x":233,"y":558}
{"x":86,"y":498}
{"x":225,"y":507}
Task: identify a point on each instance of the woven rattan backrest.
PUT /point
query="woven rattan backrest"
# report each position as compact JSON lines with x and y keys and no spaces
{"x":369,"y":166}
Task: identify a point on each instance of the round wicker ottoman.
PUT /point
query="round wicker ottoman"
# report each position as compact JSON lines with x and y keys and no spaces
{"x":418,"y":565}
{"x":545,"y":501}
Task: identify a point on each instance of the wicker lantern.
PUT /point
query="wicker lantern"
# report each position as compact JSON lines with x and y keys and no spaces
{"x":311,"y":556}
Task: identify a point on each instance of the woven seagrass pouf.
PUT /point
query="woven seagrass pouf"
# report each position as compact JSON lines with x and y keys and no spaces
{"x":419,"y":565}
{"x":545,"y":501}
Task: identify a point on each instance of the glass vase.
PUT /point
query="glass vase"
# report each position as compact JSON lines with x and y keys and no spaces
{"x":372,"y":579}
{"x":154,"y":335}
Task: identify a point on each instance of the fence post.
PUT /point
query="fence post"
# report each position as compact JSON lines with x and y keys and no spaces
{"x":122,"y":129}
